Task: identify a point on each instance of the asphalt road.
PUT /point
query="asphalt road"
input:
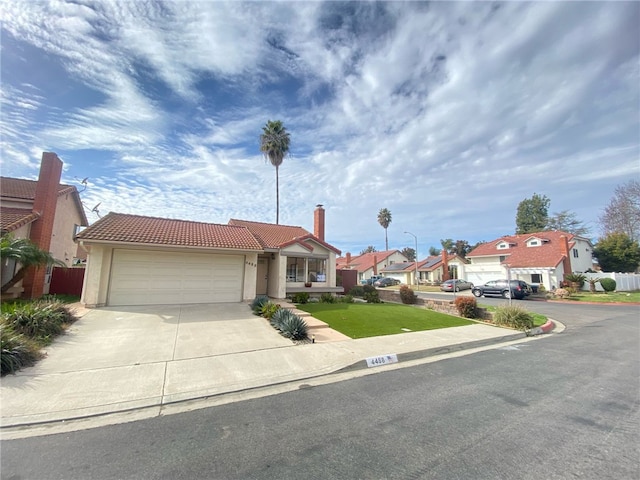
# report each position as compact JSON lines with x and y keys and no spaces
{"x":566,"y":406}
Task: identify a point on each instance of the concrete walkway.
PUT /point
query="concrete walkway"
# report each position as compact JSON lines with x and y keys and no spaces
{"x":117,"y":360}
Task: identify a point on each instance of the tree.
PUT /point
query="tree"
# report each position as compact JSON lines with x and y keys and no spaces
{"x":434,"y":252}
{"x":384,"y":219}
{"x":617,"y":252}
{"x":622,"y":214}
{"x":461,"y":248}
{"x":26,"y":254}
{"x":532,"y":214}
{"x":566,"y":221}
{"x":369,"y":249}
{"x":274,"y":144}
{"x":409,"y":252}
{"x":447,"y":244}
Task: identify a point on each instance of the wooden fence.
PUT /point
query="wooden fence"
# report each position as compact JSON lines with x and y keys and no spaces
{"x":66,"y":281}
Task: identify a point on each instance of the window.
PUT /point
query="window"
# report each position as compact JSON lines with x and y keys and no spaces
{"x":502,"y":246}
{"x":575,"y":253}
{"x":534,"y":243}
{"x":536,"y":278}
{"x":295,"y":269}
{"x":317,"y":270}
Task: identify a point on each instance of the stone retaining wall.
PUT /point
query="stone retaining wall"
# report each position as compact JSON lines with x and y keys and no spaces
{"x":443,"y":306}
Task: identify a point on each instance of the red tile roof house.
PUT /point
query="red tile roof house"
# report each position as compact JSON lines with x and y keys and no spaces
{"x":45,"y":212}
{"x":136,"y":260}
{"x":537,"y":258}
{"x":436,"y":269}
{"x":369,"y":264}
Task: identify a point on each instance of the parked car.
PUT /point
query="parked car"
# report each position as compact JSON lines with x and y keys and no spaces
{"x":518,"y":289}
{"x":447,"y":286}
{"x":386,"y":282}
{"x":372,"y":280}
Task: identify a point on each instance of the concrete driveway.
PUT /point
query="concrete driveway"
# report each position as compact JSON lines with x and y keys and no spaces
{"x":121,"y":336}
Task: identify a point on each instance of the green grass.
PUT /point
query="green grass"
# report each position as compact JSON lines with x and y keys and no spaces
{"x":538,"y":319}
{"x":612,"y":297}
{"x":361,"y":320}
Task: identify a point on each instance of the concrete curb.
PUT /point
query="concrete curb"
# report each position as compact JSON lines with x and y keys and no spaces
{"x":546,"y":328}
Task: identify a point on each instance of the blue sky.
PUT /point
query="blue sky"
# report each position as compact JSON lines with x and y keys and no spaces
{"x":448,"y":114}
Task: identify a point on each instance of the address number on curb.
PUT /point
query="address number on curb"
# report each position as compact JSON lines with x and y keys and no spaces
{"x":382,"y":360}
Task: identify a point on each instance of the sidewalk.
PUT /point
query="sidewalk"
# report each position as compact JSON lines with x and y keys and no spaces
{"x":38,"y":396}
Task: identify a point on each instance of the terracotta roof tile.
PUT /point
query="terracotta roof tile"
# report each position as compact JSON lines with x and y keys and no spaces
{"x":364,"y":262}
{"x":118,"y":227}
{"x":271,"y":235}
{"x":13,"y":218}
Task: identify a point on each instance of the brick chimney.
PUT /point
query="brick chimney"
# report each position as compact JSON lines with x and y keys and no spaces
{"x":566,"y":259}
{"x":348,"y":258}
{"x":318,"y":222}
{"x":44,"y":203}
{"x":445,"y":265}
{"x":375,"y":264}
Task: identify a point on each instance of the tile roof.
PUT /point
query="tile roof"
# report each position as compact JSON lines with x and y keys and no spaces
{"x":272,"y":236}
{"x":364,"y":262}
{"x":549,"y":254}
{"x":400,"y":267}
{"x":13,"y":218}
{"x":119,"y":227}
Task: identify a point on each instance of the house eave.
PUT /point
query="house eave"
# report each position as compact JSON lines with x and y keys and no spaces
{"x":139,"y":245}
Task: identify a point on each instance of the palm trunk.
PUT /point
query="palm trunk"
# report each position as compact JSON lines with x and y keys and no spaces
{"x":15,"y":279}
{"x":277,"y":198}
{"x":386,"y":240}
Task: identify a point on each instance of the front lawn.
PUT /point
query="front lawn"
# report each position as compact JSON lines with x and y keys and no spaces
{"x":602,"y":297}
{"x":360,"y":320}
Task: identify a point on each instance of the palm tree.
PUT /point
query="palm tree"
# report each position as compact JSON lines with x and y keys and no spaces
{"x":384,"y":219}
{"x":274,"y":144}
{"x":26,"y":254}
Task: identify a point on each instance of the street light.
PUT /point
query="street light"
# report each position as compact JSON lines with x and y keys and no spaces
{"x":416,"y":259}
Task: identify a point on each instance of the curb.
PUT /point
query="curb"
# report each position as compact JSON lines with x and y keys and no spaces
{"x":546,"y":328}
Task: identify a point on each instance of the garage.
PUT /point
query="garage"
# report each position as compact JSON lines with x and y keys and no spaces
{"x":145,"y":277}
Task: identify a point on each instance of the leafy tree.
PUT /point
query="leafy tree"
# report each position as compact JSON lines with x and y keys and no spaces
{"x":434,"y":252}
{"x":26,"y":254}
{"x":274,"y":144}
{"x":622,"y":214}
{"x":384,"y":219}
{"x":461,"y":248}
{"x":369,"y":249}
{"x":617,"y":252}
{"x":566,"y":221}
{"x":532,"y":214}
{"x":447,"y":244}
{"x":409,"y":252}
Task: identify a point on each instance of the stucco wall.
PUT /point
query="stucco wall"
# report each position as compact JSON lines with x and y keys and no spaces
{"x":67,"y":217}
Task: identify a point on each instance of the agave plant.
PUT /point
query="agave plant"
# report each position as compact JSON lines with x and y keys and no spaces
{"x":258,"y":303}
{"x":294,"y":328}
{"x":280,"y":317}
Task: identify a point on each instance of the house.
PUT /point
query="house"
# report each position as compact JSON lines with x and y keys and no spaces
{"x":438,"y":268}
{"x":537,"y":258}
{"x":45,"y":212}
{"x":137,"y":260}
{"x":369,"y":264}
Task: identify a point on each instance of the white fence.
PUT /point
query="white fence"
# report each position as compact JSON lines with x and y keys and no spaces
{"x":625,"y":282}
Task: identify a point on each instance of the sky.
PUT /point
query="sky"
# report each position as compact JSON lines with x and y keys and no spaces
{"x":448,"y":114}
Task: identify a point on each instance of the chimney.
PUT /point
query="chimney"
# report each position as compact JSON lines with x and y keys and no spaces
{"x":566,"y":260}
{"x":375,"y":264}
{"x":44,"y":203}
{"x":348,"y":258}
{"x":445,"y":265}
{"x":318,"y":222}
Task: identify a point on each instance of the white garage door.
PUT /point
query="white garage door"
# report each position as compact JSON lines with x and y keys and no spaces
{"x":140,"y":277}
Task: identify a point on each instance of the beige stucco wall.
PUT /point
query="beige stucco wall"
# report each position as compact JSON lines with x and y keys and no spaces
{"x":67,"y":217}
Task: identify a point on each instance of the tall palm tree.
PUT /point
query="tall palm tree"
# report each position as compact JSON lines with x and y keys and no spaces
{"x":384,"y":219}
{"x":274,"y":144}
{"x":26,"y":254}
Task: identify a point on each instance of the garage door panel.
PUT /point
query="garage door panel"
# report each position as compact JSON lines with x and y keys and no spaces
{"x":146,"y":278}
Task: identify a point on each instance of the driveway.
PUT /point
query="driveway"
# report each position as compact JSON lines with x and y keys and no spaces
{"x":121,"y":336}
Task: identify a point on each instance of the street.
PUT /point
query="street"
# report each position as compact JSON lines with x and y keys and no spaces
{"x":566,"y":406}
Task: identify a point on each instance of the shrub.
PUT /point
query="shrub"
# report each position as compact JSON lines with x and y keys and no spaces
{"x":346,"y":298}
{"x":407,"y":295}
{"x":372,"y":297}
{"x":467,"y":307}
{"x":258,"y":303}
{"x":357,"y":291}
{"x":278,"y":318}
{"x":302,"y":297}
{"x":578,"y":278}
{"x":561,"y":292}
{"x":294,"y":327}
{"x":269,"y":309}
{"x":514,"y":317}
{"x":327,"y":298}
{"x":608,"y":284}
{"x":16,"y":350}
{"x":40,"y":320}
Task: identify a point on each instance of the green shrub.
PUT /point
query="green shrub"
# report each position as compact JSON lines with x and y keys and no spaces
{"x":514,"y":317}
{"x":346,"y":298}
{"x":294,"y":327}
{"x":327,"y":298}
{"x":302,"y":297}
{"x":407,"y":295}
{"x":608,"y":284}
{"x":372,"y":297}
{"x":40,"y":320}
{"x":467,"y":307}
{"x":258,"y":303}
{"x":269,"y":309}
{"x":357,"y":291}
{"x":16,"y":350}
{"x":278,"y":318}
{"x":576,"y":278}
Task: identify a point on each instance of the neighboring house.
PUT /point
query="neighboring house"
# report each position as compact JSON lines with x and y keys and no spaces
{"x":369,"y":264}
{"x":45,"y":212}
{"x":136,"y":260}
{"x":404,"y":272}
{"x":438,"y":268}
{"x":538,"y":258}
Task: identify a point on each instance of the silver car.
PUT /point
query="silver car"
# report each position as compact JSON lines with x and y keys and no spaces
{"x":448,"y":285}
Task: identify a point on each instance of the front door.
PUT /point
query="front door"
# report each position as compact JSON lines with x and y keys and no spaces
{"x":263,"y":276}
